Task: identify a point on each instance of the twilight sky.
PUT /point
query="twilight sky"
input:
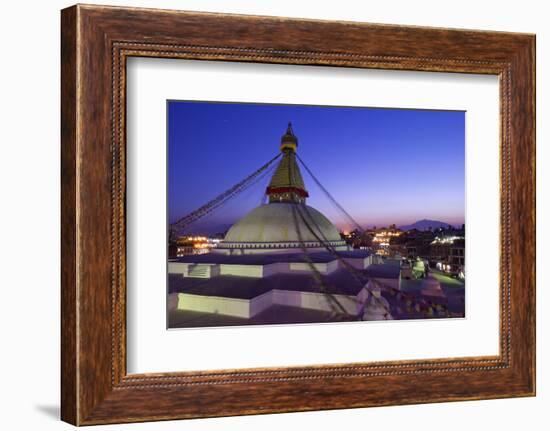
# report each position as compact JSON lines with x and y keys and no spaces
{"x":383,"y":166}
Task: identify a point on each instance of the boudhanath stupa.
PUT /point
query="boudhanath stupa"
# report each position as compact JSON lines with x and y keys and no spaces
{"x":286,"y":224}
{"x":271,"y":260}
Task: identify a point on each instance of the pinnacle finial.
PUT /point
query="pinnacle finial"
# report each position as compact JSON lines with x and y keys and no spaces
{"x":289,"y":139}
{"x":289,"y":130}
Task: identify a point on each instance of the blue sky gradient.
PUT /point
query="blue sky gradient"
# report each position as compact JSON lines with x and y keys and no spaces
{"x":383,"y":166}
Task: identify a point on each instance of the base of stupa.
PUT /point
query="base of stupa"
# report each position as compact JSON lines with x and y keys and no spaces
{"x":248,"y":308}
{"x":261,"y":265}
{"x":237,"y":249}
{"x":245,"y":286}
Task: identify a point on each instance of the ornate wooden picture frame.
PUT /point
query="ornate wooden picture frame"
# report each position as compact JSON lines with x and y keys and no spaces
{"x":96,"y":41}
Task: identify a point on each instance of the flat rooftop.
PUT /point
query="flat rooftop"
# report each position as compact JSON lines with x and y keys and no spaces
{"x":231,"y":286}
{"x":340,"y":281}
{"x":276,"y":314}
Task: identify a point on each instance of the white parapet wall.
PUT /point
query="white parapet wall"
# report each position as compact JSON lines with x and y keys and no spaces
{"x":209,"y":270}
{"x":323,"y":268}
{"x":315,"y":301}
{"x":172,"y":301}
{"x":177,"y":268}
{"x":214,"y":304}
{"x":276,"y":268}
{"x":194,"y":270}
{"x":261,"y":303}
{"x":242,"y":270}
{"x":247,"y":308}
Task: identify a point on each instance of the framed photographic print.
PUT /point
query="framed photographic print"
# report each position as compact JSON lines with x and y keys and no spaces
{"x":331,"y":214}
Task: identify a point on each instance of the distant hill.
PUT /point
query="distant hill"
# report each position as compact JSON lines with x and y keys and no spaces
{"x":425,"y":225}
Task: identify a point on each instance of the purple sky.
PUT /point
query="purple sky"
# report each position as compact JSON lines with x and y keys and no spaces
{"x":383,"y":166}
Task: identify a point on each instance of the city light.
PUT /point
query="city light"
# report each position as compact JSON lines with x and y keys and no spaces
{"x":446,"y":239}
{"x":195,"y":244}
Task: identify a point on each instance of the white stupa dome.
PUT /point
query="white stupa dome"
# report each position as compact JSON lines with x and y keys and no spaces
{"x":282,"y":225}
{"x":280,"y":222}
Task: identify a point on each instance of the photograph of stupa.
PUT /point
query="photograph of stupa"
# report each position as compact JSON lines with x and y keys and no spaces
{"x":282,"y":260}
{"x":286,"y":224}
